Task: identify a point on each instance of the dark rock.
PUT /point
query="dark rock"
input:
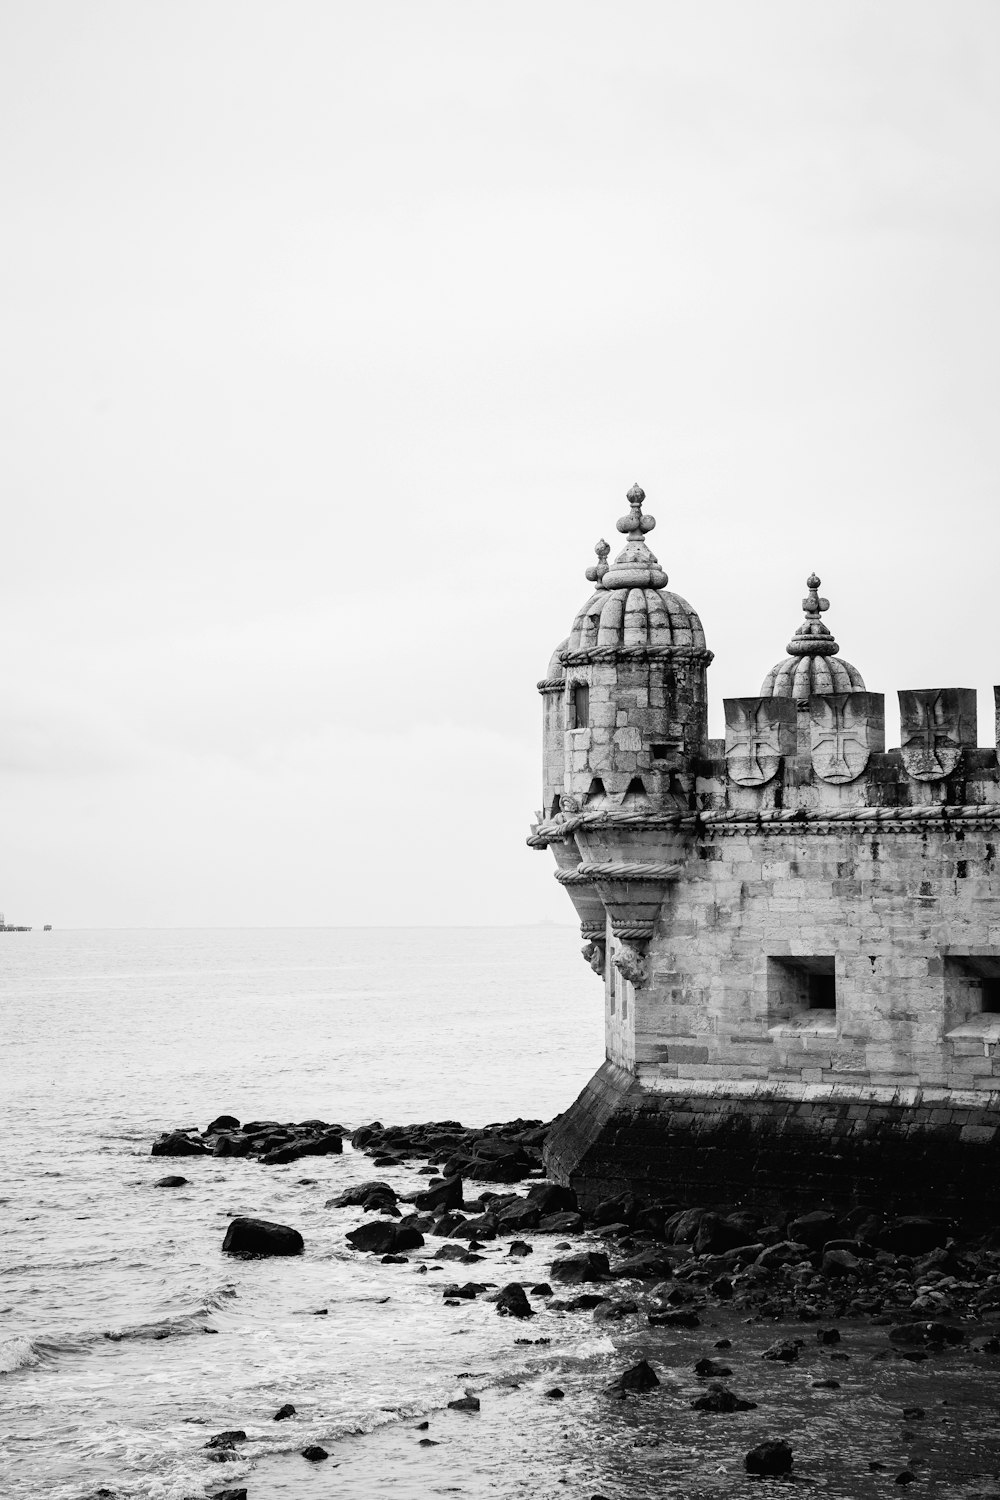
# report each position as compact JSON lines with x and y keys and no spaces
{"x":227,"y":1439}
{"x":583,"y":1303}
{"x":674,"y":1318}
{"x":446,"y":1195}
{"x":721,"y":1287}
{"x":828,"y":1335}
{"x":722,"y":1401}
{"x":395,"y":1260}
{"x":713,"y":1368}
{"x":468,"y":1292}
{"x":912,"y":1235}
{"x":551,"y":1198}
{"x":519,"y":1248}
{"x":826,"y":1385}
{"x":716,"y":1234}
{"x":774,"y":1457}
{"x":328,"y":1143}
{"x":541,"y":1290}
{"x":447,"y":1224}
{"x":913,"y":1413}
{"x":284,"y":1412}
{"x":905,"y":1476}
{"x":841,"y":1263}
{"x":561,"y":1223}
{"x":177,"y":1143}
{"x":640,"y":1377}
{"x":588,"y":1265}
{"x":230,"y":1494}
{"x":450,"y":1252}
{"x":512,"y":1303}
{"x":222,"y":1122}
{"x":369,"y":1195}
{"x":464,"y":1403}
{"x":784,"y":1253}
{"x":814,"y":1229}
{"x":786,"y":1352}
{"x":376,"y":1237}
{"x":407,"y":1237}
{"x":428,"y":1443}
{"x":232,"y":1145}
{"x":934,"y":1334}
{"x":613,"y":1312}
{"x":173,"y":1181}
{"x":517,"y":1217}
{"x":260,"y":1237}
{"x":650,"y":1265}
{"x":555,"y":1394}
{"x":315,"y":1453}
{"x":682,"y":1227}
{"x":281,"y":1155}
{"x":482,"y":1227}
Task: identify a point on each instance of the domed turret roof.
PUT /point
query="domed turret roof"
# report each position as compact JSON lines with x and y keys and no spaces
{"x":811,"y":665}
{"x":630,"y":606}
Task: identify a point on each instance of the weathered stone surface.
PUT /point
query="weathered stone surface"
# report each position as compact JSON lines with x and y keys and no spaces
{"x":178,"y":1143}
{"x":772,"y":1457}
{"x":587,"y":1265}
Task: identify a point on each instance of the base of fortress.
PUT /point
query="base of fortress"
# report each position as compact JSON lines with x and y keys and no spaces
{"x":905,"y":1150}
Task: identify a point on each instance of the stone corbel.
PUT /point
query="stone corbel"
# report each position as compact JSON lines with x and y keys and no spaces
{"x":631,"y":964}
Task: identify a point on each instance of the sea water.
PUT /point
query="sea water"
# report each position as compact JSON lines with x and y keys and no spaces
{"x":127,"y":1339}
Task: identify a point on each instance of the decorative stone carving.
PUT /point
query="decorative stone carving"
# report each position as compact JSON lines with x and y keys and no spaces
{"x":631,"y":964}
{"x":845,"y":728}
{"x":595,"y":952}
{"x":996,"y":707}
{"x":936,"y":724}
{"x":759,"y":731}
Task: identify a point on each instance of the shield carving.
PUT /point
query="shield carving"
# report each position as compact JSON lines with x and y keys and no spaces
{"x":759,"y":731}
{"x":936,"y":724}
{"x":844,"y":730}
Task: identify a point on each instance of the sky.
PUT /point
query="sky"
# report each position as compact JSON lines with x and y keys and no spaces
{"x":333,"y":337}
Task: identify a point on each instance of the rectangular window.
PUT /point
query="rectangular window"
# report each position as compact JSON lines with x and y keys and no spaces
{"x":580,"y":706}
{"x":991,"y":996}
{"x":971,"y":987}
{"x":800,"y":987}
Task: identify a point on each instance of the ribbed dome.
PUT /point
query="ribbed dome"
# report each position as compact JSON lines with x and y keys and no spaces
{"x":556,"y":670}
{"x":630,"y":607}
{"x":812,"y":665}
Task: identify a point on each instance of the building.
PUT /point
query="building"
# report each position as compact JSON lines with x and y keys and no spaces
{"x":798,"y":931}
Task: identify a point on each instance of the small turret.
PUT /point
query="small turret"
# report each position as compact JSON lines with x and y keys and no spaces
{"x":810,"y":666}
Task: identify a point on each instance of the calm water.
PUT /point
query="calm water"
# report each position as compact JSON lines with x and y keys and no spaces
{"x":126,"y":1338}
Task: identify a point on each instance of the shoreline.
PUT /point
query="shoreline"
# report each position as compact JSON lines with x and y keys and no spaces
{"x":912,"y":1322}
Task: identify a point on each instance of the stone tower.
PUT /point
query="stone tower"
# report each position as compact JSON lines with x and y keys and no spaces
{"x":798,"y":932}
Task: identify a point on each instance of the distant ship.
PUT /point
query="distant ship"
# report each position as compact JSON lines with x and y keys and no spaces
{"x":6,"y":926}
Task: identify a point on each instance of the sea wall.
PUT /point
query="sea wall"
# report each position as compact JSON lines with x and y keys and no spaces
{"x":907,"y":1150}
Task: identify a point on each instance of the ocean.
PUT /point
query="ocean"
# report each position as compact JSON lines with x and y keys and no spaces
{"x":127,"y":1339}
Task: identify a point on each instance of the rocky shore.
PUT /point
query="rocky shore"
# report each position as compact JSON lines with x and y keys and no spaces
{"x":927,"y":1284}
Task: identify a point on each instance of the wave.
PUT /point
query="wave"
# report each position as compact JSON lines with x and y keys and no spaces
{"x":23,"y":1353}
{"x":27,"y":1267}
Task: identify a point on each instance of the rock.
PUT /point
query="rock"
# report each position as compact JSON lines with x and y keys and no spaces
{"x":913,"y":1413}
{"x":468,"y":1292}
{"x":784,"y":1253}
{"x":814,"y":1229}
{"x":446,"y":1195}
{"x":786,"y":1352}
{"x":828,"y":1335}
{"x":905,"y":1476}
{"x":712,"y":1367}
{"x":428,"y":1443}
{"x":841,"y":1263}
{"x":178,"y":1143}
{"x":451,"y":1252}
{"x":912,"y":1235}
{"x":673,"y":1318}
{"x":519,"y":1248}
{"x":716,"y":1234}
{"x":555,"y":1394}
{"x":541,"y":1290}
{"x":621,"y":1210}
{"x":369,"y":1195}
{"x":222,"y":1122}
{"x":561,"y":1223}
{"x":551,"y":1198}
{"x":935,"y":1334}
{"x":517,"y":1217}
{"x":227,"y":1439}
{"x":721,"y":1287}
{"x":826,"y":1385}
{"x":773,"y":1457}
{"x":640,"y":1377}
{"x":464,"y":1403}
{"x":512,"y":1303}
{"x":232,"y":1145}
{"x":284,"y":1412}
{"x":483,"y":1227}
{"x":682,"y":1227}
{"x":376,"y":1237}
{"x":315,"y":1453}
{"x":281,"y":1155}
{"x":260,"y":1237}
{"x":650,"y":1265}
{"x":407,"y":1237}
{"x":583,"y":1303}
{"x":446,"y":1224}
{"x":588,"y":1265}
{"x":327,"y":1143}
{"x":231,"y":1494}
{"x":173,"y":1181}
{"x":613,"y":1312}
{"x":721,"y":1401}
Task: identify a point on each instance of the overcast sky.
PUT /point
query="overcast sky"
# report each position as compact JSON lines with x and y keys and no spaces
{"x":333,"y":335}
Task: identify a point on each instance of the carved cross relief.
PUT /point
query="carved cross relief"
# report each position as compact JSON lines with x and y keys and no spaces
{"x":935,"y":726}
{"x":845,"y":728}
{"x":759,"y":731}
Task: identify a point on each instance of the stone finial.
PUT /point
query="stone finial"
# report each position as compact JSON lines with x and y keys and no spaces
{"x":635,"y":522}
{"x":812,"y":637}
{"x":598,"y":570}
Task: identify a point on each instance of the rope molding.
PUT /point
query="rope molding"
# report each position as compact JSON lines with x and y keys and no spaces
{"x":584,"y":655}
{"x":637,"y":933}
{"x":775,"y":820}
{"x":618,"y":869}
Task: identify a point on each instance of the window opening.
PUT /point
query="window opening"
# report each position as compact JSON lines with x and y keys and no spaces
{"x":580,"y":707}
{"x":991,"y":996}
